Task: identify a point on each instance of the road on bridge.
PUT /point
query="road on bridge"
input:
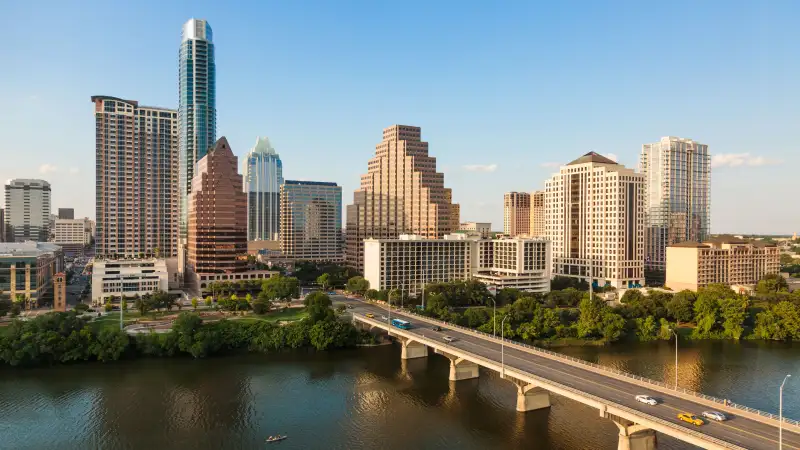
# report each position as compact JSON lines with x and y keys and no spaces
{"x":739,"y":430}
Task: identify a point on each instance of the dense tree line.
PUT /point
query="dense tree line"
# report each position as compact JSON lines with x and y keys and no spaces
{"x":67,"y":337}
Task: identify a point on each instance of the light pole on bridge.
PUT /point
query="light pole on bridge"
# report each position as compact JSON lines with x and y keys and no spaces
{"x":780,"y":414}
{"x":503,"y":347}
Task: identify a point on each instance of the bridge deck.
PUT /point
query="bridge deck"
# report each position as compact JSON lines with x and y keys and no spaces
{"x":738,"y":430}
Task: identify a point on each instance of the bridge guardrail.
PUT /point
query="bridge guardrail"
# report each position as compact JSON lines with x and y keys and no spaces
{"x":593,"y":397}
{"x":622,"y":373}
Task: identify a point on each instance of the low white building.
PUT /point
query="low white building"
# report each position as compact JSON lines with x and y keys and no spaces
{"x":128,"y":277}
{"x":410,"y":261}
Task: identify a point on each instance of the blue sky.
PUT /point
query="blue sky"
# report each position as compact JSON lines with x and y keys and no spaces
{"x":502,"y":90}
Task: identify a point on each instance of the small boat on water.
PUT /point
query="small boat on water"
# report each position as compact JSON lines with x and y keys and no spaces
{"x":276,"y":438}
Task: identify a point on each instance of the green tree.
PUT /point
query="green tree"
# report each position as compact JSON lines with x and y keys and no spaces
{"x":123,"y":304}
{"x":143,"y":304}
{"x":681,"y":307}
{"x":646,"y":329}
{"x":324,"y":280}
{"x":81,"y":308}
{"x":706,"y":311}
{"x":476,"y":317}
{"x":260,"y":305}
{"x":631,"y":296}
{"x":358,"y":285}
{"x":733,"y":312}
{"x":108,"y":306}
{"x":194,"y":303}
{"x":5,"y":306}
{"x":371,"y":294}
{"x":590,"y":318}
{"x":281,"y":288}
{"x":110,"y":344}
{"x":771,"y":283}
{"x":543,"y":323}
{"x":318,"y":306}
{"x":613,"y":325}
{"x":208,"y":301}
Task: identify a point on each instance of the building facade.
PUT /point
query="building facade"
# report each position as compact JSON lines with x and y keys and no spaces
{"x":537,"y":228}
{"x":27,"y":212}
{"x":516,"y":213}
{"x":409,"y":262}
{"x":726,"y":260}
{"x":594,"y":219}
{"x":311,"y":221}
{"x":71,"y":234}
{"x":66,"y":213}
{"x":263,"y":180}
{"x":2,"y":225}
{"x":482,"y":229}
{"x":197,"y":110}
{"x":677,"y":198}
{"x":136,"y":179}
{"x":27,"y":269}
{"x":60,"y":292}
{"x":128,"y":278}
{"x":401,"y":193}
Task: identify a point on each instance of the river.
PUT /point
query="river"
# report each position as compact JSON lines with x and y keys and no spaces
{"x":352,"y":399}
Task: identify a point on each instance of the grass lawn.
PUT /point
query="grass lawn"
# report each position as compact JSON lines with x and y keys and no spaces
{"x":111,"y":320}
{"x":289,"y":315}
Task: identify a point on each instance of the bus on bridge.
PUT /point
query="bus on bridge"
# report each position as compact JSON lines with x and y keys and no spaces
{"x":402,"y":324}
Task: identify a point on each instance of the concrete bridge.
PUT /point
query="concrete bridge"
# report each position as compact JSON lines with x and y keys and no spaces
{"x":537,"y":373}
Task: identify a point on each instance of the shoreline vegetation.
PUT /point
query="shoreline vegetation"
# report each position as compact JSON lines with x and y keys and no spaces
{"x":67,"y":337}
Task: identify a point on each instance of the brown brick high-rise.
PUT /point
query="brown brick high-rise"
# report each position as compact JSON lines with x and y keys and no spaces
{"x":401,"y":193}
{"x":217,"y":228}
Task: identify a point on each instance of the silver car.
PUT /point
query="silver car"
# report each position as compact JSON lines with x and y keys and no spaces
{"x":449,"y":339}
{"x":646,"y":399}
{"x":715,"y":415}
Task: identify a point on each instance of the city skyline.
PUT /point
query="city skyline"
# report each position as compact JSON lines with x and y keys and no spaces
{"x":477,"y":165}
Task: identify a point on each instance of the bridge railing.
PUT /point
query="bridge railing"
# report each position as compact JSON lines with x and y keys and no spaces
{"x":578,"y":392}
{"x":618,"y":372}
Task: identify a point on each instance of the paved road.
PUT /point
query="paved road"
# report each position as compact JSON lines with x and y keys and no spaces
{"x":742,"y":431}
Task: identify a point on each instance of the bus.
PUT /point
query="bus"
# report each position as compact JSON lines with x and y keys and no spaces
{"x":402,"y":324}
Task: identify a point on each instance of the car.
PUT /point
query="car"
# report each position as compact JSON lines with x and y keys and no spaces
{"x":690,"y":418}
{"x":646,"y":399}
{"x":349,"y":306}
{"x":437,"y":328}
{"x":384,"y":318}
{"x":370,"y":315}
{"x":449,"y":339}
{"x":714,"y":415}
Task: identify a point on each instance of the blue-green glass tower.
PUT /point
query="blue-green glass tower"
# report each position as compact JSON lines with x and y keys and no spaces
{"x":197,"y":105}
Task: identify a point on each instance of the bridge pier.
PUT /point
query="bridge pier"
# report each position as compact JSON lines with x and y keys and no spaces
{"x":460,"y":368}
{"x":531,"y":397}
{"x":412,"y":349}
{"x":631,"y":435}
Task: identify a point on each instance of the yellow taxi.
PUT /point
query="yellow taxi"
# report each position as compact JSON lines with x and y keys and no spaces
{"x":691,"y":418}
{"x":370,"y":316}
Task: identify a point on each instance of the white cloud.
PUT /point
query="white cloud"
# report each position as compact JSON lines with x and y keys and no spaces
{"x":550,"y":165}
{"x":611,"y":156}
{"x":47,"y":168}
{"x":740,"y":159}
{"x":73,"y":170}
{"x":480,"y":167}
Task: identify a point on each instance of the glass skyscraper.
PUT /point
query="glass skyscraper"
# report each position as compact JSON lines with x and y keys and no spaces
{"x":263,"y":177}
{"x":677,"y":192}
{"x":197,"y":110}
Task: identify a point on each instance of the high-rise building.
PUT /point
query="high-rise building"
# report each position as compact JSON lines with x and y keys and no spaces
{"x":71,"y":235}
{"x":27,"y":214}
{"x":197,"y":100}
{"x":136,"y":178}
{"x":455,"y":210}
{"x":516,"y":213}
{"x":2,"y":225}
{"x":217,"y":214}
{"x":401,"y":193}
{"x":263,"y":180}
{"x":537,"y":214}
{"x":594,"y":218}
{"x":311,"y":221}
{"x":66,"y":213}
{"x":677,"y":193}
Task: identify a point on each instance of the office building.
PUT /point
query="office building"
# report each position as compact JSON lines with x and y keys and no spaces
{"x":27,"y":269}
{"x":455,"y":209}
{"x":263,"y":180}
{"x":27,"y":212}
{"x":516,"y":213}
{"x":66,"y":213}
{"x":2,"y":225}
{"x":593,"y":217}
{"x":725,"y":259}
{"x":401,"y":193}
{"x":217,"y":240}
{"x":677,"y":193}
{"x":197,"y":105}
{"x":408,"y":262}
{"x":537,"y":228}
{"x":60,"y":292}
{"x":71,"y":235}
{"x":128,"y":278}
{"x":311,"y":221}
{"x":480,"y":229}
{"x":136,"y":178}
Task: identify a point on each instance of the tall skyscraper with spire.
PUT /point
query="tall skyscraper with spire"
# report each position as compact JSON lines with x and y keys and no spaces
{"x":401,"y":193}
{"x":197,"y":100}
{"x":263,"y":178}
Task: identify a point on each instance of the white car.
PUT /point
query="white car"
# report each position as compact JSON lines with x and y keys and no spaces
{"x":715,"y":415}
{"x":646,"y":399}
{"x":449,"y":339}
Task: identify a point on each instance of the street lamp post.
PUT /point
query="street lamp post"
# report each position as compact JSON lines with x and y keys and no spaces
{"x":503,"y":347}
{"x":494,"y":318}
{"x":676,"y":357}
{"x":780,"y":415}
